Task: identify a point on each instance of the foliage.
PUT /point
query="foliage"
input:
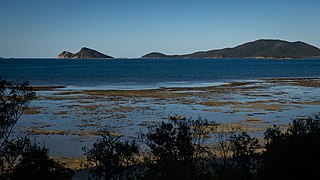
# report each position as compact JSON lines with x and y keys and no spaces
{"x":14,"y":97}
{"x":26,"y":160}
{"x":172,"y":152}
{"x":245,"y":155}
{"x":112,"y":158}
{"x":294,"y":153}
{"x":22,"y":159}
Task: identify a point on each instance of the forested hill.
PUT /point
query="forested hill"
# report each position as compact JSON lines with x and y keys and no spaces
{"x":264,"y":48}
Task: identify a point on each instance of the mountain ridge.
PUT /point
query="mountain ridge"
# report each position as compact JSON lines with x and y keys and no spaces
{"x":262,"y":48}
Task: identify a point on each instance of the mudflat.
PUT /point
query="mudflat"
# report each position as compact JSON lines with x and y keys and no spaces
{"x":75,"y":117}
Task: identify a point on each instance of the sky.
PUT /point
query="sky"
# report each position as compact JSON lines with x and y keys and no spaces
{"x":132,"y":28}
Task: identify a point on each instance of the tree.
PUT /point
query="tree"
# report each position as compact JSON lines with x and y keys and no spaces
{"x":295,"y":153}
{"x":245,"y":155}
{"x":112,"y":158}
{"x":14,"y":98}
{"x":26,"y":160}
{"x":172,"y":152}
{"x":22,"y":159}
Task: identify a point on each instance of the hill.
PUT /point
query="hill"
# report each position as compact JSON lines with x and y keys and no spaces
{"x":84,"y":53}
{"x":155,"y":55}
{"x":264,"y":48}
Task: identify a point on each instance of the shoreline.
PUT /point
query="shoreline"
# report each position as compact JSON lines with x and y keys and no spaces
{"x":75,"y":117}
{"x":150,"y":58}
{"x":164,"y":85}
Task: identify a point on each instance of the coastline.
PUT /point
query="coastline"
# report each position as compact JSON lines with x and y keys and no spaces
{"x":146,"y":59}
{"x":166,"y":85}
{"x":76,"y":117}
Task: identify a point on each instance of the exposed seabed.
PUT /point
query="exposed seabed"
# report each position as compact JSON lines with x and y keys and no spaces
{"x":65,"y":119}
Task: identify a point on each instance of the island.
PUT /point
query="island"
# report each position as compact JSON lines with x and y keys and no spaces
{"x":260,"y":49}
{"x":84,"y":53}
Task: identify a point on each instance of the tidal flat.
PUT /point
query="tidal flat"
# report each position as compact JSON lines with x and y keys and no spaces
{"x":66,"y":119}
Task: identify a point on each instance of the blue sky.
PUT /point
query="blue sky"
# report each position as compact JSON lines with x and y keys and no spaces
{"x":131,"y":28}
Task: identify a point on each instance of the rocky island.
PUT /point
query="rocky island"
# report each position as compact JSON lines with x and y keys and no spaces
{"x":84,"y":53}
{"x":260,"y":49}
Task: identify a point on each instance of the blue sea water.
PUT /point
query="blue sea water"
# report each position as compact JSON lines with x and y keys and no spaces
{"x":151,"y":73}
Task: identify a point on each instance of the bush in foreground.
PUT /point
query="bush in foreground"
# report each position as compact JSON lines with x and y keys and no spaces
{"x":294,"y":154}
{"x":112,"y":158}
{"x":177,"y":152}
{"x":26,"y":160}
{"x":22,"y":159}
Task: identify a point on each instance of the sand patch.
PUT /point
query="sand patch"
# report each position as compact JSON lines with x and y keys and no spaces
{"x":260,"y":106}
{"x":91,"y":107}
{"x":304,"y":82}
{"x":219,"y":103}
{"x":74,"y":163}
{"x":308,"y":103}
{"x":240,"y":127}
{"x":37,"y":130}
{"x":254,"y":120}
{"x":32,"y":110}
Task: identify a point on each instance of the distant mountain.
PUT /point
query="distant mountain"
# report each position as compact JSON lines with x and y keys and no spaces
{"x":159,"y":55}
{"x":84,"y":53}
{"x":264,"y":48}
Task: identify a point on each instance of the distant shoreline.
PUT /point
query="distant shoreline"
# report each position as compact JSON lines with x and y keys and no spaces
{"x":182,"y":58}
{"x":165,"y":86}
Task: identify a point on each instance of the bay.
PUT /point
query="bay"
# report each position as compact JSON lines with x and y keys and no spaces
{"x":151,"y":73}
{"x":69,"y":117}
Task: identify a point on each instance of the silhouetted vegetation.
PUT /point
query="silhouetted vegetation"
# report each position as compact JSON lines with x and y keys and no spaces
{"x":180,"y":150}
{"x":26,"y":160}
{"x":293,"y":154}
{"x":112,"y":158}
{"x":172,"y":152}
{"x":14,"y":98}
{"x":22,"y":159}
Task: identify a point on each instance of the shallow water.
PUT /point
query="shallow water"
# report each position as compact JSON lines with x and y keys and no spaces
{"x":79,"y":114}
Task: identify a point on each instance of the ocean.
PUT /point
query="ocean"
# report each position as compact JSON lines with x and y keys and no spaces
{"x":151,"y":73}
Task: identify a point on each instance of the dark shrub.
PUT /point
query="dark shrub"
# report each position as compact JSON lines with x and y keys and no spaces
{"x":111,"y":158}
{"x":294,"y":154}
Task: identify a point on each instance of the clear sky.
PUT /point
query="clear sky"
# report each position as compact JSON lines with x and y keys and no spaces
{"x":131,"y":28}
